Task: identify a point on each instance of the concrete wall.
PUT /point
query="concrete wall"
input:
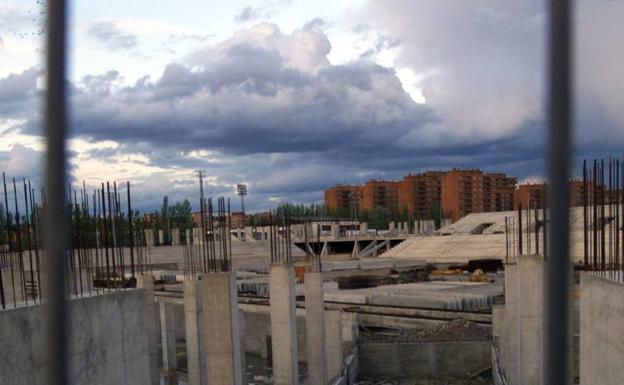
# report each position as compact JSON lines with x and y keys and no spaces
{"x":108,"y":343}
{"x":434,"y":360}
{"x":602,"y":334}
{"x":517,"y":327}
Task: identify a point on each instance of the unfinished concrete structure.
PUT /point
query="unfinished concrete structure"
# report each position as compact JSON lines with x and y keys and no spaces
{"x":109,"y":343}
{"x":519,"y":322}
{"x":315,"y":329}
{"x":601,"y":332}
{"x":283,"y":324}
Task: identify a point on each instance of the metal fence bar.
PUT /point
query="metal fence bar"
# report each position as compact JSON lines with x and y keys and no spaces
{"x":556,"y":333}
{"x":55,"y":217}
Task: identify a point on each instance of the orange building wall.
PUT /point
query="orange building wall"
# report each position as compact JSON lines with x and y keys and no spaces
{"x":341,"y":196}
{"x":379,"y":194}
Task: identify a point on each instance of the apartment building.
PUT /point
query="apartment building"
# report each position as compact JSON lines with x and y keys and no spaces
{"x":420,"y":193}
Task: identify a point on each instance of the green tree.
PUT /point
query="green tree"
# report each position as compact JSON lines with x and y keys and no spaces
{"x":379,"y":218}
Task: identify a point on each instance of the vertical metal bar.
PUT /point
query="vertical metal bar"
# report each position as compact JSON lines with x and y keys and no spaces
{"x":556,"y":333}
{"x":19,"y":244}
{"x":8,"y":230}
{"x":520,"y":228}
{"x":585,"y":241}
{"x":34,"y":209}
{"x":595,"y":216}
{"x":130,"y":230}
{"x":29,"y":243}
{"x":55,"y":228}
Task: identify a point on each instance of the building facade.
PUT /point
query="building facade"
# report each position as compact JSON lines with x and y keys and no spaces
{"x":457,"y":192}
{"x":420,"y":193}
{"x":342,"y":198}
{"x":375,"y":194}
{"x":530,"y":195}
{"x":466,"y":191}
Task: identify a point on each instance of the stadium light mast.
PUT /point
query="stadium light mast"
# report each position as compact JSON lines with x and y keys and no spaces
{"x":241,"y":189}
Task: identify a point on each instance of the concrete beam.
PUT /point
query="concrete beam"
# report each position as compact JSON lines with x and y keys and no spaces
{"x":283,"y":325}
{"x":315,"y":329}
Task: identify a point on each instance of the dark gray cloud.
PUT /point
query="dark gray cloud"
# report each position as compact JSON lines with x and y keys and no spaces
{"x":269,"y":109}
{"x":109,"y":34}
{"x":17,"y":92}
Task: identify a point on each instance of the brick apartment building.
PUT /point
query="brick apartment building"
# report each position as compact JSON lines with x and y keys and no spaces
{"x":534,"y":194}
{"x":459,"y":192}
{"x":529,"y":195}
{"x":342,"y":197}
{"x":420,"y":192}
{"x":379,"y":194}
{"x":473,"y":191}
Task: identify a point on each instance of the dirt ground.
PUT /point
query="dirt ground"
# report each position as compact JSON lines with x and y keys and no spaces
{"x":456,"y":330}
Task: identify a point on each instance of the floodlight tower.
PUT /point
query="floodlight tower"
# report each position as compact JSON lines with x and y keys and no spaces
{"x":241,"y":189}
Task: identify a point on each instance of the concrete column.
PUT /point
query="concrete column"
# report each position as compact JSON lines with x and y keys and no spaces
{"x":193,"y":318}
{"x":391,"y":226}
{"x":167,"y":334}
{"x":405,"y":227}
{"x":161,"y":237}
{"x":146,"y":282}
{"x":315,"y":329}
{"x":335,"y":230}
{"x":509,"y":327}
{"x":335,"y":358}
{"x":221,"y":329}
{"x":168,"y":338}
{"x":188,"y":239}
{"x":283,"y":325}
{"x":149,"y":237}
{"x":175,"y":237}
{"x":196,"y":237}
{"x":530,"y":308}
{"x":363,"y":228}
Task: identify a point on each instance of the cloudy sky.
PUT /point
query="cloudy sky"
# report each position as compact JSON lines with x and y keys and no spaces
{"x":292,"y":96}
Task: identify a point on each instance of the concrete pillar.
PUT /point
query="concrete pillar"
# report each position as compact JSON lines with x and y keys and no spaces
{"x":168,"y":338}
{"x":405,"y":227}
{"x":363,"y":228}
{"x":161,"y":237}
{"x":149,"y":237}
{"x":188,"y":239}
{"x":221,"y":329}
{"x":335,"y":358}
{"x":283,"y":325}
{"x":335,"y":230}
{"x":509,"y":327}
{"x":193,"y":318}
{"x":391,"y":226}
{"x":315,"y":329}
{"x":175,"y":237}
{"x":530,"y":309}
{"x":146,"y":282}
